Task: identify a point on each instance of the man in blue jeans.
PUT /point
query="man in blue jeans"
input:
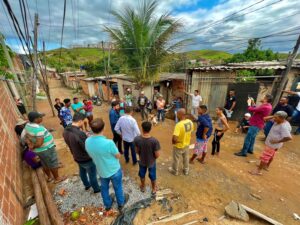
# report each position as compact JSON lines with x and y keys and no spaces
{"x":147,"y":147}
{"x":75,"y":139}
{"x":106,"y":156}
{"x":127,"y":127}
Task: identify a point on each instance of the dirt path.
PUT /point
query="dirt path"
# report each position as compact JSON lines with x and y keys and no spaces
{"x":210,"y":187}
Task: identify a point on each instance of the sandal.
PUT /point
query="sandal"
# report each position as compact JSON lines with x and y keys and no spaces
{"x":49,"y":179}
{"x":142,"y":188}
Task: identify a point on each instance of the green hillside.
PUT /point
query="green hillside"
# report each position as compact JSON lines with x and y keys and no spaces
{"x":71,"y":59}
{"x":208,"y":54}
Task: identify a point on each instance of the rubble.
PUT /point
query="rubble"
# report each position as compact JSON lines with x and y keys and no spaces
{"x":235,"y":210}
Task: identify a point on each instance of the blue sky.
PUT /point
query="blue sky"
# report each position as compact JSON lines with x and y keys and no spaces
{"x":199,"y":18}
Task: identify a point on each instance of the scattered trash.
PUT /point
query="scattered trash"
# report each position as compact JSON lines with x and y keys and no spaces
{"x":235,"y":210}
{"x":129,"y":213}
{"x":75,"y":215}
{"x":204,"y":220}
{"x":174,"y":217}
{"x":255,"y":196}
{"x":252,"y":161}
{"x":62,"y":192}
{"x":296,"y":216}
{"x":281,"y":199}
{"x":222,"y":218}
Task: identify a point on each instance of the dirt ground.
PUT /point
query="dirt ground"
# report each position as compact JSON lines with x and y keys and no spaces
{"x":209,"y":187}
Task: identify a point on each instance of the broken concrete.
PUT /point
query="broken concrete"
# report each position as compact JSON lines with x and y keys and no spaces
{"x":235,"y":210}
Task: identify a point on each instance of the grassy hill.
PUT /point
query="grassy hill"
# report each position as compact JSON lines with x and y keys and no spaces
{"x":208,"y":54}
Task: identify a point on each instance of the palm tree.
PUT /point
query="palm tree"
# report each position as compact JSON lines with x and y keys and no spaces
{"x":144,"y":39}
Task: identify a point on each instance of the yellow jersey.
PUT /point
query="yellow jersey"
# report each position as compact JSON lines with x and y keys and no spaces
{"x":183,"y":130}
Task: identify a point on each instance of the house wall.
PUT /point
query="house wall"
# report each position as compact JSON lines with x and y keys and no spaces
{"x":212,"y":86}
{"x":84,"y":86}
{"x":264,"y":88}
{"x":11,"y":196}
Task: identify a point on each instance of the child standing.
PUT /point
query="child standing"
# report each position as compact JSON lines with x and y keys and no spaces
{"x":147,"y":147}
{"x":221,"y":127}
{"x":203,"y":133}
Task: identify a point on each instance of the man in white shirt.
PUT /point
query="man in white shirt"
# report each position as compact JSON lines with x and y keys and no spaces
{"x":196,"y":100}
{"x":128,"y":128}
{"x":296,"y":113}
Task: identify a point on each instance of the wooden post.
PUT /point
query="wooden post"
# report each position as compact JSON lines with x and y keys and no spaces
{"x":43,"y":214}
{"x":35,"y":75}
{"x":48,"y":199}
{"x":284,"y":79}
{"x":47,"y":89}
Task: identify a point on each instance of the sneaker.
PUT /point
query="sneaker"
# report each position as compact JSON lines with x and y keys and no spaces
{"x":240,"y":154}
{"x":121,"y":208}
{"x":185,"y":173}
{"x":87,"y":188}
{"x":172,"y":171}
{"x":250,"y":153}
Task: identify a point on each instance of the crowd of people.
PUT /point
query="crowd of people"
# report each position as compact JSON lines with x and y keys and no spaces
{"x":96,"y":154}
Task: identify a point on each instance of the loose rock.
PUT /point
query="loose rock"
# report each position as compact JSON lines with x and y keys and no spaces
{"x":235,"y":210}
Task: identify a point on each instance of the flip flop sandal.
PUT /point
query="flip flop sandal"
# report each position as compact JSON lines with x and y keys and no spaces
{"x":142,"y":189}
{"x":255,"y":173}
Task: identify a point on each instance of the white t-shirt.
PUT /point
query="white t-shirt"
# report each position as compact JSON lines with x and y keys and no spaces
{"x":196,"y":99}
{"x":298,"y":106}
{"x":278,"y":132}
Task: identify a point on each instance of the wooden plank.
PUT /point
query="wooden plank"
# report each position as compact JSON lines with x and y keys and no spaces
{"x":174,"y":217}
{"x":192,"y":222}
{"x":55,"y":216}
{"x":42,"y":209}
{"x":260,"y":215}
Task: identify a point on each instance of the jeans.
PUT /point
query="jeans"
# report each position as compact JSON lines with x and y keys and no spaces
{"x":161,"y":115}
{"x":268,"y":127}
{"x":216,"y":142}
{"x":177,"y":153}
{"x":116,"y":180}
{"x":250,"y":140}
{"x":151,"y":172}
{"x":296,"y":119}
{"x":130,"y":145}
{"x":88,"y":175}
{"x":144,"y":113}
{"x":195,"y":112}
{"x":118,"y":141}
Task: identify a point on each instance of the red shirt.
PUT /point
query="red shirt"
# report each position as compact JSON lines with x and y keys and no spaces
{"x":257,"y":119}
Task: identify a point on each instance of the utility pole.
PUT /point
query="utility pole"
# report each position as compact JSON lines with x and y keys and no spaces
{"x":284,"y":79}
{"x":15,"y":77}
{"x":47,"y":89}
{"x":105,"y":71}
{"x":35,"y":73}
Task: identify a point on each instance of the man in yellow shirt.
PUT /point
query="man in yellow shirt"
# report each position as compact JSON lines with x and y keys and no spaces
{"x":181,"y":141}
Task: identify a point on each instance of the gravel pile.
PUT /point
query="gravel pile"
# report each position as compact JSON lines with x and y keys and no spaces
{"x":75,"y":196}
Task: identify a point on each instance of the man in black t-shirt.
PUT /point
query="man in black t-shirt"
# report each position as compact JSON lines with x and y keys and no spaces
{"x":147,"y":147}
{"x":281,"y":106}
{"x":230,"y":103}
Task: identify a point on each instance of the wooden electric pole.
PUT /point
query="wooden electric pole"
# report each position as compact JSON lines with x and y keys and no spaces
{"x":105,"y":71}
{"x":47,"y":89}
{"x":284,"y":78}
{"x":35,"y":73}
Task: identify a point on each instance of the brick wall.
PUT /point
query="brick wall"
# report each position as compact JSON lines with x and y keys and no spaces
{"x":11,"y":196}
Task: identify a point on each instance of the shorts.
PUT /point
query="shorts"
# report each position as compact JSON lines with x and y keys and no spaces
{"x":267,"y":154}
{"x":151,"y":171}
{"x":88,"y":114}
{"x":48,"y":158}
{"x":200,"y":146}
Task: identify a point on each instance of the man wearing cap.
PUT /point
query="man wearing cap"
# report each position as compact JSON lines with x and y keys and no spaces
{"x":41,"y":141}
{"x":142,"y":103}
{"x":279,"y":133}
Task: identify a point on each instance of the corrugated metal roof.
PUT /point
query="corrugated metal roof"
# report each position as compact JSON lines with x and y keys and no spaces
{"x":249,"y":66}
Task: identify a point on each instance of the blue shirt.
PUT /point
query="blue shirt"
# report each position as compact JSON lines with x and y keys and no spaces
{"x":203,"y":122}
{"x":128,"y":128}
{"x":66,"y":115}
{"x":178,"y":104}
{"x":113,"y":118}
{"x":103,"y":151}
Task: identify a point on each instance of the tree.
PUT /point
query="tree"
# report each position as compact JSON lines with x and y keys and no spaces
{"x":253,"y":53}
{"x":4,"y":63}
{"x":144,"y":39}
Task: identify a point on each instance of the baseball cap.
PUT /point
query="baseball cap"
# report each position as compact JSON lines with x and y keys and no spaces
{"x":248,"y":114}
{"x":34,"y":115}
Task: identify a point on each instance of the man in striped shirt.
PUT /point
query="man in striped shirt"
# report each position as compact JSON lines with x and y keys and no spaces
{"x":41,"y":142}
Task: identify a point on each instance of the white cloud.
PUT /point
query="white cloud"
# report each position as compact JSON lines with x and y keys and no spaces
{"x":275,"y":18}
